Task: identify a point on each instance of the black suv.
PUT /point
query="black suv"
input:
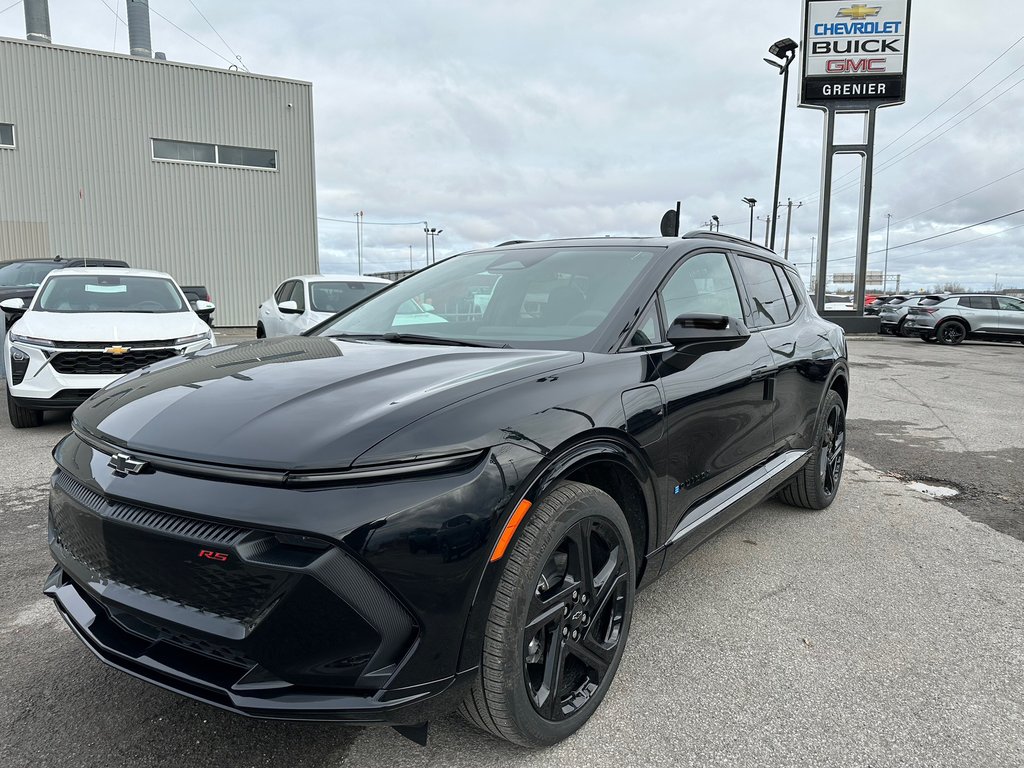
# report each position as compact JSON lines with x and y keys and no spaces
{"x":387,"y":520}
{"x":19,"y":278}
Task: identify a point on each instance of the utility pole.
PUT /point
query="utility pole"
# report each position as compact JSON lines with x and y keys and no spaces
{"x":410,"y":257}
{"x":789,"y":223}
{"x":359,"y":240}
{"x":767,"y":224}
{"x":885,"y":268}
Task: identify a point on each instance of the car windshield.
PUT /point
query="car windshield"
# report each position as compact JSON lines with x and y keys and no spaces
{"x":338,"y":295}
{"x":109,"y":293}
{"x":25,"y":274}
{"x":552,"y":297}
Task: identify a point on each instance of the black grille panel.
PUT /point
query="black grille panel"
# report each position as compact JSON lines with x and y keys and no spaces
{"x":159,"y":554}
{"x":107,"y":363}
{"x":211,"y":533}
{"x":104,"y":344}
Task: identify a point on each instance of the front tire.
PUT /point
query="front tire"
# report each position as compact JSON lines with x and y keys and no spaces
{"x":22,"y":417}
{"x":816,"y":485}
{"x":261,"y":332}
{"x":559,"y":620}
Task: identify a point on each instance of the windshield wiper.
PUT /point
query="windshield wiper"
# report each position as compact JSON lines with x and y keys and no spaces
{"x":416,"y":338}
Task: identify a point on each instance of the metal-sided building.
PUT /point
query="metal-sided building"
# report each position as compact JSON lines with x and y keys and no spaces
{"x":203,"y":173}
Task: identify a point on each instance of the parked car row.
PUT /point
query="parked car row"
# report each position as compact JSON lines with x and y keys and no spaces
{"x":951,"y":319}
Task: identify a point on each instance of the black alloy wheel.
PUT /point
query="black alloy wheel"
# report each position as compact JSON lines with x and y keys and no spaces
{"x":832,"y":450}
{"x":574,"y":621}
{"x":951,"y":332}
{"x":559,"y":620}
{"x":816,"y":485}
{"x":901,"y":329}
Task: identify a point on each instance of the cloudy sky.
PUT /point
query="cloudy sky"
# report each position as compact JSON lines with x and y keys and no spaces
{"x":536,"y":119}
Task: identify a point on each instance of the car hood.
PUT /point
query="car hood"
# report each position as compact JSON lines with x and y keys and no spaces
{"x":109,"y":326}
{"x":297,"y":402}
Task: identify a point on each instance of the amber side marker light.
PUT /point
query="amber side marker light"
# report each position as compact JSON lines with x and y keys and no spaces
{"x":510,"y":529}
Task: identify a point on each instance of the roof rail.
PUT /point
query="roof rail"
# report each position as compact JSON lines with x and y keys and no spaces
{"x":512,"y":242}
{"x":704,"y":235}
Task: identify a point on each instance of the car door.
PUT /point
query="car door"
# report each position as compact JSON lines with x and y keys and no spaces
{"x":1011,"y":316}
{"x":981,"y":314}
{"x":717,"y":404}
{"x":801,"y":358}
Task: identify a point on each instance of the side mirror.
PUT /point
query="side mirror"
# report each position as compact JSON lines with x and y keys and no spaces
{"x":205,"y":306}
{"x":13,"y":305}
{"x":290,"y":307}
{"x":700,"y":333}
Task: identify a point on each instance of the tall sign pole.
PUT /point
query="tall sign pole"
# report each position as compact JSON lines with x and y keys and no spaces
{"x":854,"y":62}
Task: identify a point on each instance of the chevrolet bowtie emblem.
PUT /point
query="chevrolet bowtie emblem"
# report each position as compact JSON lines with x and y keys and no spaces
{"x":859,"y":11}
{"x":117,"y":350}
{"x":124,"y":465}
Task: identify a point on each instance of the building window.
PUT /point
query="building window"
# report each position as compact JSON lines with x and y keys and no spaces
{"x":188,"y":151}
{"x":214,"y":154}
{"x":6,"y":135}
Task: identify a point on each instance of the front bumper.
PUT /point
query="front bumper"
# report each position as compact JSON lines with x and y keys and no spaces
{"x":230,"y":687}
{"x":43,"y":387}
{"x":345,"y":603}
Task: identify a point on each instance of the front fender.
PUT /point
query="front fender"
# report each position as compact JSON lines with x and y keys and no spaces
{"x":584,"y":450}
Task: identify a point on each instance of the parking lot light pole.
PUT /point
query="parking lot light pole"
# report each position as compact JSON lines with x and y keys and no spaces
{"x":751,"y":202}
{"x":432,"y":233}
{"x":718,"y":224}
{"x":785,"y":50}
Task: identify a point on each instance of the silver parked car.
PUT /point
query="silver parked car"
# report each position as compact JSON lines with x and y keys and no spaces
{"x":892,"y":317}
{"x":968,"y":316}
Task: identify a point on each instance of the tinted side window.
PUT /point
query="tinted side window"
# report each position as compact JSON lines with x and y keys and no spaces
{"x":978,"y":302}
{"x":298,"y":294}
{"x":767,"y":304}
{"x":703,"y":284}
{"x":1011,"y":304}
{"x":282,"y":291}
{"x":787,"y":289}
{"x":648,"y":330}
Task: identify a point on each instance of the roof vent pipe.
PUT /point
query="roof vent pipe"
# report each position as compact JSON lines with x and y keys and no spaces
{"x":138,"y":29}
{"x":37,"y":21}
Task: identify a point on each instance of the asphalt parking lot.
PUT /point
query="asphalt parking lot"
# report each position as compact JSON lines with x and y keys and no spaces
{"x":884,"y":631}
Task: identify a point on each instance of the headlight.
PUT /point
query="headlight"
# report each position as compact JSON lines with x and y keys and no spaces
{"x":193,"y":339}
{"x":31,"y":340}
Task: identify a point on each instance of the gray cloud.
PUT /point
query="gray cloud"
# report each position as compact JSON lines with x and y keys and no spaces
{"x":539,"y":119}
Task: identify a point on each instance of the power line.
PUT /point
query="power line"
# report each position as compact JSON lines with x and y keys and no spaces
{"x":957,"y":245}
{"x":933,"y":237}
{"x":886,"y":165}
{"x":16,"y":2}
{"x":811,"y":196}
{"x":192,"y":37}
{"x":239,"y":58}
{"x":376,"y":223}
{"x":927,"y":210}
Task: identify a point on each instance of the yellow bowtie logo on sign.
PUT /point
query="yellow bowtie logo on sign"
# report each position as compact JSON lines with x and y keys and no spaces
{"x":859,"y":11}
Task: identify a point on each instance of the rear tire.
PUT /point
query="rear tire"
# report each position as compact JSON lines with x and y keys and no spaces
{"x":951,"y":332}
{"x":816,"y":485}
{"x":22,"y":417}
{"x":901,"y":329}
{"x":559,"y":619}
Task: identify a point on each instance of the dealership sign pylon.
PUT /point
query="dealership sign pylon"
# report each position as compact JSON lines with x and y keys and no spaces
{"x":854,"y":62}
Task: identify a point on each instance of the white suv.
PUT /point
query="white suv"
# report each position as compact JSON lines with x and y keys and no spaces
{"x":85,"y":328}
